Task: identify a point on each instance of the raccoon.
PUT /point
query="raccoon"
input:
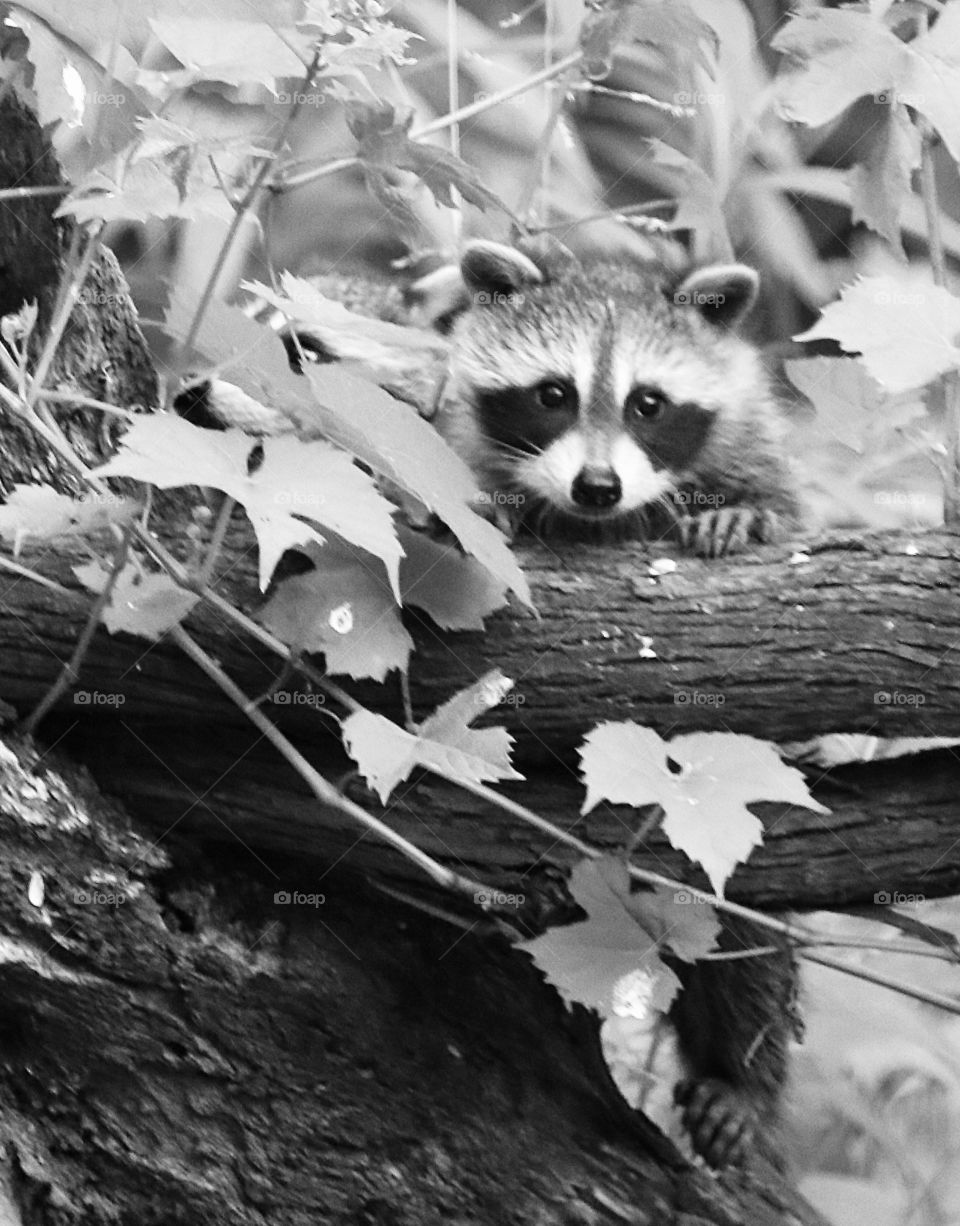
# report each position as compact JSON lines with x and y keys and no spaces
{"x":603,"y":402}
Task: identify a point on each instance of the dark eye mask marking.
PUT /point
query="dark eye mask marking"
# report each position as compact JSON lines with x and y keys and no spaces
{"x":675,"y":437}
{"x":515,"y":416}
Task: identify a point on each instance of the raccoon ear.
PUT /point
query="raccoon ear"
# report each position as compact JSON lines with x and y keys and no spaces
{"x":493,"y":268}
{"x":437,"y":298}
{"x":722,"y":293}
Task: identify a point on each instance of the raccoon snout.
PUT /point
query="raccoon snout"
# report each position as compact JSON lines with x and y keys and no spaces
{"x":596,"y":488}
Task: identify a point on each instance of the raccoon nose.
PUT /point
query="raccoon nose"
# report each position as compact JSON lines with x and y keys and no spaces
{"x":596,"y":487}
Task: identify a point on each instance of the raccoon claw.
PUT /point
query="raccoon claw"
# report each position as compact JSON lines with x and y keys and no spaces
{"x":726,"y":530}
{"x":721,"y":1121}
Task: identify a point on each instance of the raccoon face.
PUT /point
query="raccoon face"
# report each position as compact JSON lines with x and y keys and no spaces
{"x":595,"y":460}
{"x":592,"y":390}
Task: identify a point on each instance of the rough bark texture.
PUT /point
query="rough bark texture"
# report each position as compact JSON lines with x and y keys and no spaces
{"x":857,"y":639}
{"x":178,"y":1047}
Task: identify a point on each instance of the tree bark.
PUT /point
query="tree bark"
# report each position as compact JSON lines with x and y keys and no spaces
{"x":179,"y":1047}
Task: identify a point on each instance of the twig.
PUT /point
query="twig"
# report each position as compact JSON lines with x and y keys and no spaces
{"x":216,"y":540}
{"x":285,"y":181}
{"x":72,"y":400}
{"x":502,"y":95}
{"x":24,"y":193}
{"x":68,"y":301}
{"x":241,"y":210}
{"x":453,"y":103}
{"x":324,"y":791}
{"x":26,"y":573}
{"x":70,"y":672}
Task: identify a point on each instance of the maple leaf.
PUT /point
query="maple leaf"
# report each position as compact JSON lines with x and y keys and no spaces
{"x":140,"y":190}
{"x":384,"y":146}
{"x":675,"y":919}
{"x":880,"y":182}
{"x":228,"y":340}
{"x":851,"y":405}
{"x":840,"y":55}
{"x":456,"y":591}
{"x":145,"y":605}
{"x":343,"y":608}
{"x":397,"y":443}
{"x":350,"y":334}
{"x":699,"y":207}
{"x":312,"y":481}
{"x":386,"y":753}
{"x":38,"y":512}
{"x":704,"y":800}
{"x":587,"y":961}
{"x":235,"y":52}
{"x":904,"y":328}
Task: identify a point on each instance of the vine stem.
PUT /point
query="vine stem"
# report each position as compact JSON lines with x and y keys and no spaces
{"x":325,"y":792}
{"x":24,"y":193}
{"x":71,"y":670}
{"x":453,"y":119}
{"x":242,"y":210}
{"x":68,"y":301}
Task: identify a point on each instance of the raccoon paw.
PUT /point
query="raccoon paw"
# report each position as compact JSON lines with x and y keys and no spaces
{"x":721,"y":1120}
{"x":727,"y":530}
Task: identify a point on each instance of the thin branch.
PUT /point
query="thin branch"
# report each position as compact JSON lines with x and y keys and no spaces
{"x":68,"y":301}
{"x":324,"y":791}
{"x":286,"y":182}
{"x":23,"y":193}
{"x":227,"y":505}
{"x":502,"y":95}
{"x":74,"y":401}
{"x":70,"y":672}
{"x":242,"y":210}
{"x":25,"y":572}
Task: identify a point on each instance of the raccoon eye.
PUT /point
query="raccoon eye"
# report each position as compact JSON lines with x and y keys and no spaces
{"x":647,"y":402}
{"x":552,"y":395}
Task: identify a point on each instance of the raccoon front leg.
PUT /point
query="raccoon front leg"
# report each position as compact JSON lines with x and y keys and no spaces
{"x":734,"y":1020}
{"x":722,"y":531}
